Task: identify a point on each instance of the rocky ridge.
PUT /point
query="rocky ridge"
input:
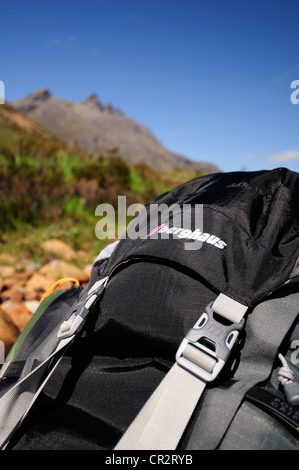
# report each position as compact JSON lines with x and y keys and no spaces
{"x":95,"y":128}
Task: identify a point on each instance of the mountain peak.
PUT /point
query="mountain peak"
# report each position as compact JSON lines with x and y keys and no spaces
{"x":93,"y":100}
{"x":98,"y":128}
{"x":42,"y":94}
{"x":32,"y":101}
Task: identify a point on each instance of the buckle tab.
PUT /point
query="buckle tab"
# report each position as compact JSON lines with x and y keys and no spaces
{"x":210,"y":339}
{"x":79,"y":313}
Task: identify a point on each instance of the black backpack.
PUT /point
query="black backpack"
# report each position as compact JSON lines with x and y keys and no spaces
{"x":186,"y":336}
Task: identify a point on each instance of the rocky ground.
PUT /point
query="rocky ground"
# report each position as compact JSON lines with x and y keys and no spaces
{"x":22,"y":285}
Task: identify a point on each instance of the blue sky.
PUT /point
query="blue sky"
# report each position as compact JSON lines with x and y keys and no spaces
{"x":211,"y":79}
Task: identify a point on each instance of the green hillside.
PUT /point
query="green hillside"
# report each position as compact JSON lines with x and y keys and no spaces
{"x":49,"y":190}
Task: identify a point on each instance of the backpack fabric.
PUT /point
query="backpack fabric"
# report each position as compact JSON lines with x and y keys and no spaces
{"x":158,"y":286}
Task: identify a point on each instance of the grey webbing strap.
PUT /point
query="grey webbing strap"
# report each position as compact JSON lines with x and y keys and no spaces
{"x":154,"y":427}
{"x":16,"y":403}
{"x":163,"y":419}
{"x":229,"y":308}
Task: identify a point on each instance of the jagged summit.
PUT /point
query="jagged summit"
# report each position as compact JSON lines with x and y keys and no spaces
{"x":34,"y":100}
{"x":42,"y":94}
{"x":98,"y":128}
{"x":93,"y":100}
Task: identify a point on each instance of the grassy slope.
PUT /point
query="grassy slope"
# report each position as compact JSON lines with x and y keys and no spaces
{"x":50,"y":191}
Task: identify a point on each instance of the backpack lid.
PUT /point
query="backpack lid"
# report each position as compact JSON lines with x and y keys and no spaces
{"x":248,"y":239}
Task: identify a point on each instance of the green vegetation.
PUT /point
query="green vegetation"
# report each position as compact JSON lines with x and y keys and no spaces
{"x":49,"y":191}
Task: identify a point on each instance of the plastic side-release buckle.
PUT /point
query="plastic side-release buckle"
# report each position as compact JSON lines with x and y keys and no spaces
{"x":71,"y":325}
{"x":207,"y":346}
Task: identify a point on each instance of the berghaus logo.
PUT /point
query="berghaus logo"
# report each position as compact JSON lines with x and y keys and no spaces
{"x":188,"y":234}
